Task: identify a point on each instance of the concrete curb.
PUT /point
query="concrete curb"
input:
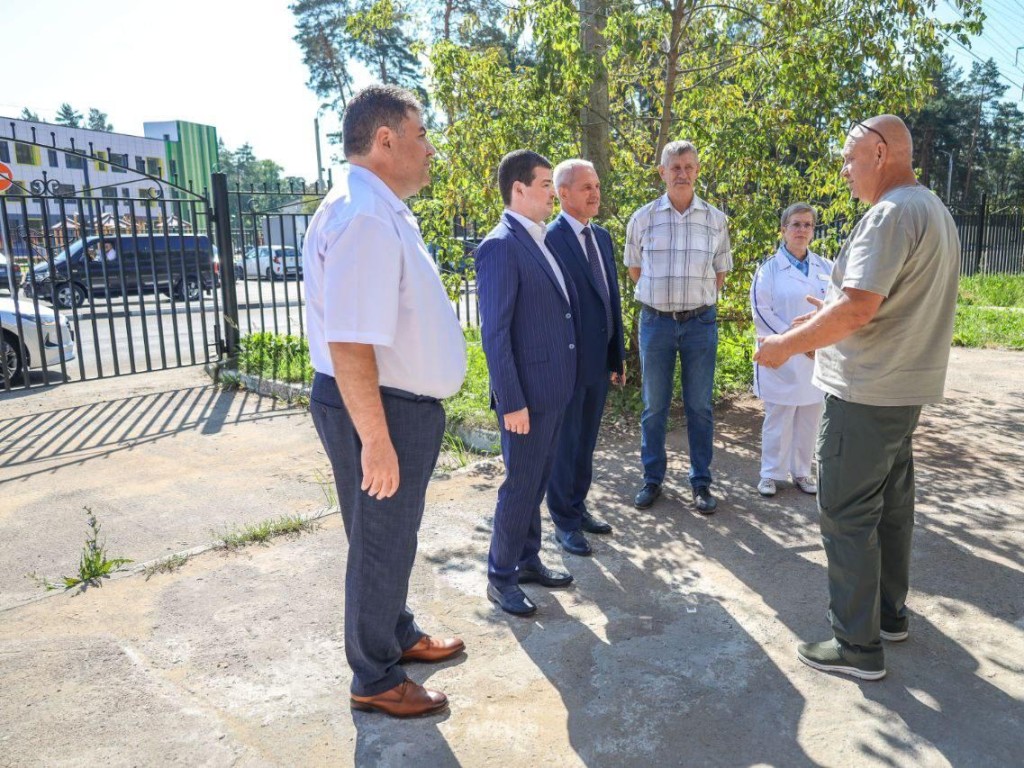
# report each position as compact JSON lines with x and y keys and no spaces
{"x":479,"y":439}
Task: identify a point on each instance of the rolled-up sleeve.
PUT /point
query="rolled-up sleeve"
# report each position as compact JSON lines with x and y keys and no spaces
{"x":633,"y":252}
{"x":362,"y":277}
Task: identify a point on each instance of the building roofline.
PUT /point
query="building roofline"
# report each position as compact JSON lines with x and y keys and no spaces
{"x":4,"y":120}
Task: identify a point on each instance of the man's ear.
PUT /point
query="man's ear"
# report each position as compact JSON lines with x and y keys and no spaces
{"x":384,"y":137}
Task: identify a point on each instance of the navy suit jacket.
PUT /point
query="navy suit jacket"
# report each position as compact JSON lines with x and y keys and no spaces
{"x":528,"y":328}
{"x":599,"y":355}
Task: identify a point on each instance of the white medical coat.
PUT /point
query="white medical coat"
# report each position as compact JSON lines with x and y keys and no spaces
{"x":777,"y":296}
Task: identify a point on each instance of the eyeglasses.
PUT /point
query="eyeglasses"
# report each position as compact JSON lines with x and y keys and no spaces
{"x":858,"y":123}
{"x":800,"y":225}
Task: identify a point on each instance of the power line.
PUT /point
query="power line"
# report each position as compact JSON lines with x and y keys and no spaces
{"x":983,"y":61}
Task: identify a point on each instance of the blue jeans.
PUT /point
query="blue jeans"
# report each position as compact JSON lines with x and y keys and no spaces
{"x":695,"y":341}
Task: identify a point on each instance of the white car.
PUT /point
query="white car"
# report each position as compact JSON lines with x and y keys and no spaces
{"x":270,"y":262}
{"x":36,"y":340}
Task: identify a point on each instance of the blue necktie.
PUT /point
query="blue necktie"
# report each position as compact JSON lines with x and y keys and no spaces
{"x":599,"y":277}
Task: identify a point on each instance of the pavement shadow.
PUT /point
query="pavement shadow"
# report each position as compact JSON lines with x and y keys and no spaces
{"x":43,"y":442}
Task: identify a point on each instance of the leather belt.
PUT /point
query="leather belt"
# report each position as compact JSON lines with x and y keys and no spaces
{"x":683,"y":315}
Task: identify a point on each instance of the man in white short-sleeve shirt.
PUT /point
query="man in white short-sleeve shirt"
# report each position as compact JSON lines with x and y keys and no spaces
{"x":883,"y":336}
{"x":386,"y":346}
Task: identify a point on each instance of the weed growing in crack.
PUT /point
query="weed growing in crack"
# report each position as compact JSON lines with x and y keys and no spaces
{"x":93,"y":564}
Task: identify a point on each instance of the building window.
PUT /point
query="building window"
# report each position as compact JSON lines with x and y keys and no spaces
{"x":65,"y":190}
{"x":174,"y":168}
{"x":73,"y":159}
{"x":100,"y":165}
{"x":26,"y":154}
{"x":109,"y":193}
{"x":17,"y":189}
{"x":154,"y":167}
{"x":51,"y":157}
{"x":5,"y":152}
{"x":140,"y":164}
{"x":125,"y":192}
{"x":121,"y":160}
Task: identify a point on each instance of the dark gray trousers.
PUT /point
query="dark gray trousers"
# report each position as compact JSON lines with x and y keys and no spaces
{"x":381,"y":533}
{"x":866,"y":501}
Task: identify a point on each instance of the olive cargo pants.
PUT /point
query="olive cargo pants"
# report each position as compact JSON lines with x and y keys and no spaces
{"x":866,"y":501}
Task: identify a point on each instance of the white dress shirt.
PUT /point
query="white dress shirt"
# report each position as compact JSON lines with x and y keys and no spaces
{"x":538,"y":232}
{"x":370,"y":280}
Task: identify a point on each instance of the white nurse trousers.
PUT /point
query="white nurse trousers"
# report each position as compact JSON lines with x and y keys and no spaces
{"x":787,"y":439}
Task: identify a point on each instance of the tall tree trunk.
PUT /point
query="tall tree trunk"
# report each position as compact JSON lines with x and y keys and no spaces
{"x":671,"y":70}
{"x":595,"y":117}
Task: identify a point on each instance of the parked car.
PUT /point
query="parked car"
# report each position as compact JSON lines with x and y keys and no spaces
{"x":271,"y":262}
{"x":179,"y":265}
{"x":7,"y":266}
{"x":37,"y":339}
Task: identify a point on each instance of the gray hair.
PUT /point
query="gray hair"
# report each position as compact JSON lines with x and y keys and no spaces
{"x":565,"y":171}
{"x":676,"y":148}
{"x":796,"y":208}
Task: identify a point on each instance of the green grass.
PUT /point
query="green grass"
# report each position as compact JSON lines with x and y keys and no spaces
{"x":275,"y":356}
{"x":992,"y":291}
{"x":262,"y":532}
{"x":471,"y":405}
{"x":168,"y":564}
{"x":990,"y":328}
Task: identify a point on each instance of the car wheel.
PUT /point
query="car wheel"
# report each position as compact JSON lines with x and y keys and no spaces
{"x":11,"y":359}
{"x":188,"y":289}
{"x":270,"y":274}
{"x":69,"y":295}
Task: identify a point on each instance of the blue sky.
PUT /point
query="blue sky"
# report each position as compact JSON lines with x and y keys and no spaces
{"x":234,"y":65}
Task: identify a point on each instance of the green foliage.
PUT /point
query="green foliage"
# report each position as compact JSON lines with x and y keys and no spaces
{"x":97,"y":121}
{"x":992,"y":290}
{"x":275,"y":356}
{"x":734,"y":368}
{"x":93,"y":565}
{"x":471,"y":406}
{"x":988,"y":328}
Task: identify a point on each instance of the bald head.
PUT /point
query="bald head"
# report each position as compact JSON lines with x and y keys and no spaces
{"x":897,"y":136}
{"x":878,"y":156}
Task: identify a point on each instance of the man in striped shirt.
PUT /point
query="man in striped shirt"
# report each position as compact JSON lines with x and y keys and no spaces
{"x":678,"y":252}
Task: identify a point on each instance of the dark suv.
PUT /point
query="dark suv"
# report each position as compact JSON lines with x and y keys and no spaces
{"x":179,"y":265}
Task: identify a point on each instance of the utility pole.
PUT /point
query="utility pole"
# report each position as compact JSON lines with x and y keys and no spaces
{"x":319,"y":162}
{"x":949,"y":175}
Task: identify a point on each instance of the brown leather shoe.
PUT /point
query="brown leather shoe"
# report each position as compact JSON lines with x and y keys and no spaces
{"x":407,"y":699}
{"x":431,"y":649}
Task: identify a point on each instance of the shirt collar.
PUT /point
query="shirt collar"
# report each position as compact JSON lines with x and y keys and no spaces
{"x":536,"y":230}
{"x":696,"y":204}
{"x":577,"y":225}
{"x":378,"y":185}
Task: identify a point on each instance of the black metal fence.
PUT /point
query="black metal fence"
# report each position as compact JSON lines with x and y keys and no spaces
{"x":104,"y":284}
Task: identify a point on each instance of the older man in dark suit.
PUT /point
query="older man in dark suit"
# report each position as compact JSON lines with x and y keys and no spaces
{"x":529,"y":331}
{"x":585,"y":252}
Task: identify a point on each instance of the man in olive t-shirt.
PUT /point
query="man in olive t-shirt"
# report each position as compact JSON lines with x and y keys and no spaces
{"x":884,"y":332}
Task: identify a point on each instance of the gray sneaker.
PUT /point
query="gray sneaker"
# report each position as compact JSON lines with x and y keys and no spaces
{"x":830,"y":656}
{"x":895,"y":631}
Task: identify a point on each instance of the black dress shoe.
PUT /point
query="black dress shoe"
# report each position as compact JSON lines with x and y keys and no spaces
{"x":592,"y":525}
{"x":704,"y":501}
{"x":647,"y":495}
{"x":511,"y":599}
{"x":544,"y":576}
{"x":573,"y":542}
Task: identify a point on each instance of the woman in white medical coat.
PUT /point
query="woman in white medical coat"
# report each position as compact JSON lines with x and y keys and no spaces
{"x":792,"y":405}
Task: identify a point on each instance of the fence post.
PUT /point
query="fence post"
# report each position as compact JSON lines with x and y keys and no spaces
{"x":222,"y":232}
{"x":979,"y":244}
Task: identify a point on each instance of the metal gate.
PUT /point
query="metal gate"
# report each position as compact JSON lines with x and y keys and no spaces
{"x":100,"y":281}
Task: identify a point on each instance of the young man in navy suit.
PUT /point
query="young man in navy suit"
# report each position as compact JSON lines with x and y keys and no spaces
{"x":529,"y":332}
{"x":585,"y":252}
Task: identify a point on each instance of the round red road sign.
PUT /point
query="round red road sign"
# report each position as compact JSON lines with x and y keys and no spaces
{"x":6,"y":177}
